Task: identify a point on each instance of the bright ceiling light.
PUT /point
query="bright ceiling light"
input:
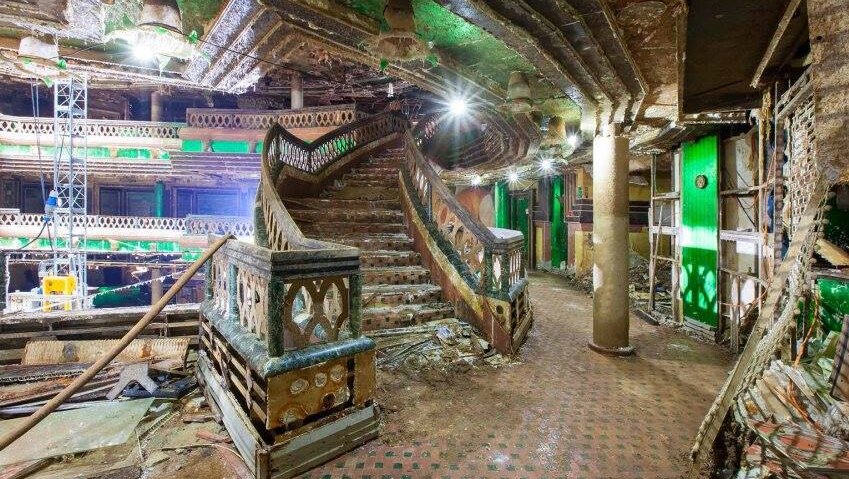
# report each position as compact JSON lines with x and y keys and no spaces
{"x":143,"y":52}
{"x":573,"y":140}
{"x":458,"y":106}
{"x":476,"y":180}
{"x":513,"y":177}
{"x":545,"y":164}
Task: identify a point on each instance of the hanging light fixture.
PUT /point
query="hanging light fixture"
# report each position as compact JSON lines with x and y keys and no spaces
{"x":400,"y":42}
{"x":556,"y":134}
{"x":518,"y":93}
{"x":158,"y":34}
{"x":37,"y":58}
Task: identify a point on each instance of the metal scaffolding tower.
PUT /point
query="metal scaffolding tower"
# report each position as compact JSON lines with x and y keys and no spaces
{"x":70,"y":102}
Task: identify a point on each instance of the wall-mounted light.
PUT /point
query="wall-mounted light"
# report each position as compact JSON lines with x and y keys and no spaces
{"x":476,"y":180}
{"x":574,"y":140}
{"x":546,"y":164}
{"x":513,"y":177}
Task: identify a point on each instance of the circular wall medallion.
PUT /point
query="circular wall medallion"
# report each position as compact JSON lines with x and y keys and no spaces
{"x":701,"y":182}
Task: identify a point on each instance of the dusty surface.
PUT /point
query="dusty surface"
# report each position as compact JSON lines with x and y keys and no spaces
{"x":562,"y":411}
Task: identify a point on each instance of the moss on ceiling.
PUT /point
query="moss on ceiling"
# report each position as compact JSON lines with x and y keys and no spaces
{"x":474,"y":48}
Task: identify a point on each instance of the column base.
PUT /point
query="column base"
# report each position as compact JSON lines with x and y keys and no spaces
{"x":621,"y":351}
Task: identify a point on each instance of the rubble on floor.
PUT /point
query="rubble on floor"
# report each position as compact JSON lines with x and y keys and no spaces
{"x":797,"y":428}
{"x":105,"y":429}
{"x":449,"y":345}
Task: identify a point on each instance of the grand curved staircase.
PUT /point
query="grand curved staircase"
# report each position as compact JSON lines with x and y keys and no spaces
{"x":354,"y":231}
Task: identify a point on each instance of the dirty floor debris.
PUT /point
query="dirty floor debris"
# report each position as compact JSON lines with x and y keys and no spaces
{"x":454,"y":408}
{"x":561,"y":411}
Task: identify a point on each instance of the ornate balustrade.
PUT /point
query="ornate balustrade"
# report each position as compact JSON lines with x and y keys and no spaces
{"x":251,"y":126}
{"x":135,"y":227}
{"x":489,"y":261}
{"x":313,"y":117}
{"x":19,"y":130}
{"x":284,"y":309}
{"x":286,"y":300}
{"x":219,"y":225}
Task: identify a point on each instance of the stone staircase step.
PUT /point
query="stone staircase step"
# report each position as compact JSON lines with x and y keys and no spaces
{"x":382,"y":259}
{"x":404,"y":315}
{"x":368,"y":182}
{"x":396,"y":275}
{"x":364,"y":193}
{"x":367,"y":242}
{"x":330,"y":229}
{"x":327,"y":204}
{"x":372,"y":172}
{"x":340,"y":214}
{"x":397,"y":294}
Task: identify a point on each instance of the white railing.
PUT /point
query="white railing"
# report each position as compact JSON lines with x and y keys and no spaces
{"x":18,"y":125}
{"x":313,"y":117}
{"x":191,"y":225}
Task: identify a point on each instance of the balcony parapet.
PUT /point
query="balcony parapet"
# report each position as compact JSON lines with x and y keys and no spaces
{"x":189,"y":230}
{"x":210,"y":124}
{"x":113,"y":134}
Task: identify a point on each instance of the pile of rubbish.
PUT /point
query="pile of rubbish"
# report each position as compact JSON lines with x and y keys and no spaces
{"x":797,"y":428}
{"x":123,"y":422}
{"x":447,"y":345}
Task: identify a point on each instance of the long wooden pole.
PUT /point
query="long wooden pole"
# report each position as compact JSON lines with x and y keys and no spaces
{"x":101,"y":363}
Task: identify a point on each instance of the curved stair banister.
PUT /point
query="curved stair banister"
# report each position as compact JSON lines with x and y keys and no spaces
{"x":481,"y":268}
{"x":289,"y":307}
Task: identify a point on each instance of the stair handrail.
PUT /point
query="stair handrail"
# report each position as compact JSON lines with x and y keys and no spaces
{"x":491,"y":259}
{"x":282,"y":148}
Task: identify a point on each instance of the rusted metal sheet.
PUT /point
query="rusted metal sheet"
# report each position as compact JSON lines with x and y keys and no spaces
{"x":58,"y":352}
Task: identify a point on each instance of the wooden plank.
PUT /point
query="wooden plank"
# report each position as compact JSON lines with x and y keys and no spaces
{"x":245,"y":437}
{"x":88,"y":351}
{"x":323,"y":443}
{"x":832,"y":253}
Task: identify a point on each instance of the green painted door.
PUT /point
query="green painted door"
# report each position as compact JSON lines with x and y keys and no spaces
{"x":501,"y":204}
{"x":699,"y":230}
{"x":519,"y":218}
{"x":558,"y":233}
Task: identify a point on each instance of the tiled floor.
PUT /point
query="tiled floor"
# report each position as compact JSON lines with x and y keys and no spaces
{"x":563,"y":412}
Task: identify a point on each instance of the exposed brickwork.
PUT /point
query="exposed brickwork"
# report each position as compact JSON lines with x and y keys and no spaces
{"x":564,"y":412}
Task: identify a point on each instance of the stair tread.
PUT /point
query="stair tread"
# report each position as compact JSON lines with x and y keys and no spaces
{"x":395,"y":268}
{"x":396,"y":288}
{"x":441,"y":306}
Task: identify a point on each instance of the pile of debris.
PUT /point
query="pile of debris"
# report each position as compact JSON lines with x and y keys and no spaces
{"x":795,"y":427}
{"x":447,"y":345}
{"x":104,"y":428}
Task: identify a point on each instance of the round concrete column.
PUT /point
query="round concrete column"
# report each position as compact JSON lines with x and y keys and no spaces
{"x":610,"y":245}
{"x":297,"y":91}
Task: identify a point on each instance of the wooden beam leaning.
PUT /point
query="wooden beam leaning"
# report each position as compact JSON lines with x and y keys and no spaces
{"x":95,"y":368}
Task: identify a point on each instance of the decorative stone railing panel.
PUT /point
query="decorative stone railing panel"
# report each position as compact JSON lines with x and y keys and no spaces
{"x":191,"y":225}
{"x":16,"y":125}
{"x":287,"y":299}
{"x":219,"y":225}
{"x":313,"y":117}
{"x":284,"y":149}
{"x":492,"y":258}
